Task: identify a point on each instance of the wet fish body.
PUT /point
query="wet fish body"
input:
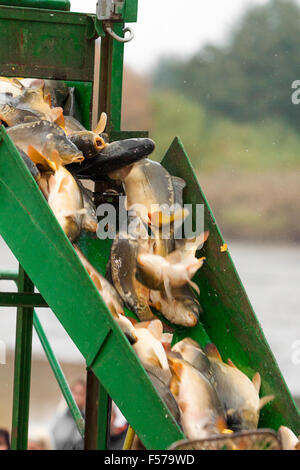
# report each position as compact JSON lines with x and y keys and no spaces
{"x":115,"y":156}
{"x":123,"y":269}
{"x":183,"y":309}
{"x":202,"y":413}
{"x":45,"y":137}
{"x":89,"y":220}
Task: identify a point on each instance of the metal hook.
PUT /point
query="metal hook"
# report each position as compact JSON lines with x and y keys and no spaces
{"x":110,"y":31}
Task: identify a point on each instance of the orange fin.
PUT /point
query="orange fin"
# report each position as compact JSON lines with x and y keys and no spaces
{"x":174,"y":386}
{"x":256,"y":381}
{"x":56,"y":158}
{"x":101,"y":124}
{"x":263,"y":401}
{"x":40,"y":159}
{"x":58,"y":116}
{"x":212,"y":352}
{"x":38,"y":83}
{"x":47,"y":99}
{"x":231,"y":364}
{"x":177,"y":368}
{"x":221,"y":423}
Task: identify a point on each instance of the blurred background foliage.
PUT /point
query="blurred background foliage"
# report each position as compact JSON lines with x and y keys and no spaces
{"x":231,"y":105}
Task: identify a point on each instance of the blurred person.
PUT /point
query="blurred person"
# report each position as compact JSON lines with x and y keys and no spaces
{"x":4,"y":440}
{"x":64,"y":432}
{"x":39,"y":439}
{"x":118,"y":428}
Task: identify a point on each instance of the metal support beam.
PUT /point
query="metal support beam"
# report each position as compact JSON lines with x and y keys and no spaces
{"x":91,"y":411}
{"x":21,"y":299}
{"x":22,"y":370}
{"x":111,"y":79}
{"x":59,"y":375}
{"x":104,"y":414}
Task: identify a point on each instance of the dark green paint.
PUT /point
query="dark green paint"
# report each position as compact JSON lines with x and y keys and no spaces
{"x":70,"y":293}
{"x":59,"y":375}
{"x":22,"y":369}
{"x":83,"y":96}
{"x":47,"y":4}
{"x":47,"y":44}
{"x":104,"y":408}
{"x":229,"y":319}
{"x":23,"y":299}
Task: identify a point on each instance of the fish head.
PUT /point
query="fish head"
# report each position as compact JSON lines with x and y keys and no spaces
{"x":187,"y":308}
{"x":70,"y":226}
{"x":192,"y":352}
{"x":242,"y":419}
{"x":89,"y":143}
{"x":149,"y":269}
{"x":68,"y":151}
{"x":288,"y":439}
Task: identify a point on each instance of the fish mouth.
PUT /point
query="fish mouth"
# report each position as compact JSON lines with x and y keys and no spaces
{"x":77,"y":158}
{"x":99,"y":143}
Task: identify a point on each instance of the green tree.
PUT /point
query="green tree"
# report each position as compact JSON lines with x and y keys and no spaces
{"x":249,"y":78}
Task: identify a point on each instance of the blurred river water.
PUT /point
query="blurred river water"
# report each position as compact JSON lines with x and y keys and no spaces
{"x":270,"y":273}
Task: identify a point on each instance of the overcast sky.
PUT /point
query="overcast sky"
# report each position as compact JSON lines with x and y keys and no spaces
{"x":176,"y":27}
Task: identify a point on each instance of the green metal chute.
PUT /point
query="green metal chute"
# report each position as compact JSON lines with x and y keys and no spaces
{"x":33,"y":234}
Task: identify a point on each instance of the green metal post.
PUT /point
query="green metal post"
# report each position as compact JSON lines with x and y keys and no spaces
{"x":59,"y":375}
{"x":110,"y":101}
{"x":54,"y":364}
{"x":111,"y":78}
{"x":22,"y":370}
{"x":104,"y":412}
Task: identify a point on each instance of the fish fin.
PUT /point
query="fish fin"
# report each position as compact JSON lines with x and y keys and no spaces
{"x":174,"y":257}
{"x":159,"y":218}
{"x":167,"y":288}
{"x":195,"y":243}
{"x":96,"y":281}
{"x":47,"y":99}
{"x":101,"y":124}
{"x":177,"y":369}
{"x":174,"y":386}
{"x":155,"y":327}
{"x":211,"y":351}
{"x":194,"y":286}
{"x":256,"y":380}
{"x":264,"y":400}
{"x":56,"y":158}
{"x":231,"y":364}
{"x":40,"y":159}
{"x":221,"y":424}
{"x":38,"y":83}
{"x":182,"y":405}
{"x":57,"y":116}
{"x":178,"y":182}
{"x":194,"y":266}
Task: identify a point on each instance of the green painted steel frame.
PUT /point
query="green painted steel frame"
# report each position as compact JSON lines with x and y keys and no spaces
{"x":54,"y":364}
{"x":19,"y":431}
{"x":81,"y":311}
{"x":70,"y":39}
{"x":229,"y":320}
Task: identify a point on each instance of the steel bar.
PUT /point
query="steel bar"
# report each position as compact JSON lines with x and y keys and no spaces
{"x":59,"y":375}
{"x":111,"y":79}
{"x":91,"y":411}
{"x":104,"y":413}
{"x":22,"y":299}
{"x":8,"y":276}
{"x":22,"y":371}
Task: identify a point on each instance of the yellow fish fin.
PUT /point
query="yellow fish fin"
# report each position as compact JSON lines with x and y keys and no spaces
{"x":40,"y":159}
{"x":212,"y":352}
{"x":101,"y":124}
